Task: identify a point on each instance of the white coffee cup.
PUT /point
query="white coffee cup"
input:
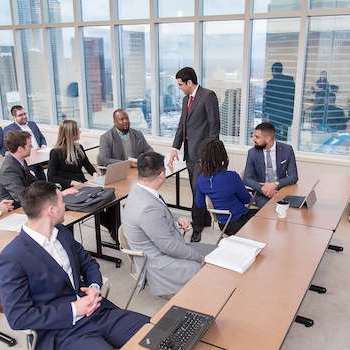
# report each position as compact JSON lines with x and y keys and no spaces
{"x":281,"y":209}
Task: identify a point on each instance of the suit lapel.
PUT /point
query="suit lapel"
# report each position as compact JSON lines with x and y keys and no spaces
{"x":278,"y":159}
{"x":119,"y":141}
{"x":261,"y":164}
{"x":195,"y":101}
{"x":16,"y":127}
{"x":45,"y":258}
{"x":67,"y":247}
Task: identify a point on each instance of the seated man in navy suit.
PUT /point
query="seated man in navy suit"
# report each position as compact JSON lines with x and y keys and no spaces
{"x":2,"y":149}
{"x":21,"y":123}
{"x":50,"y":284}
{"x":270,"y":165}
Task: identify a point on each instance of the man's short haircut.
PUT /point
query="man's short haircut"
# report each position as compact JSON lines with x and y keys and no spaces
{"x":150,"y":164}
{"x":15,"y":108}
{"x":36,"y":196}
{"x":119,"y":110}
{"x":266,"y":127}
{"x":186,"y":74}
{"x":15,"y":139}
{"x":277,"y":67}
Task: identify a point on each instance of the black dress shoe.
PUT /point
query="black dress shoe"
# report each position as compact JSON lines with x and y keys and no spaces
{"x":196,"y":236}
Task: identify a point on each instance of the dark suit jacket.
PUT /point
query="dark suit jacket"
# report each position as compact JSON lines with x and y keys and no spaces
{"x":2,"y":147}
{"x":286,"y":167}
{"x":14,"y":179}
{"x":36,"y":292}
{"x":40,"y":139}
{"x":61,"y":172}
{"x":202,"y":122}
{"x":112,"y":150}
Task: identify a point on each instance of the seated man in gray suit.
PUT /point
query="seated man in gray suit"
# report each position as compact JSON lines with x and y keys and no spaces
{"x":270,"y":165}
{"x":149,"y":226}
{"x":121,"y":142}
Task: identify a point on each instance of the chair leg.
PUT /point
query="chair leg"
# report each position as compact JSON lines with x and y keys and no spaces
{"x":135,"y":286}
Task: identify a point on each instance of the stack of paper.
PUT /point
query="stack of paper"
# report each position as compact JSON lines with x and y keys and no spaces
{"x":13,"y":222}
{"x":235,"y":253}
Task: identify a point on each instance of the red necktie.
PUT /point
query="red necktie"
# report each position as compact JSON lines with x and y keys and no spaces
{"x":189,"y":104}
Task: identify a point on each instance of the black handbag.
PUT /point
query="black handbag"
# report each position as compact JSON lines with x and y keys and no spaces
{"x":89,"y":199}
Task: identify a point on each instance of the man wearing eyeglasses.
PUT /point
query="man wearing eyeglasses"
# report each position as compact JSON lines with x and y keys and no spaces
{"x":21,"y":123}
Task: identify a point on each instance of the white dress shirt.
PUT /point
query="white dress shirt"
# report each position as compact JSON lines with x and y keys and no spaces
{"x":194,"y":92}
{"x":55,"y":249}
{"x":25,"y":127}
{"x":273,"y":157}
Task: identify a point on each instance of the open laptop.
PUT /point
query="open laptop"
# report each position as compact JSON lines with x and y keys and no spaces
{"x":114,"y":172}
{"x":300,"y":201}
{"x":179,"y":328}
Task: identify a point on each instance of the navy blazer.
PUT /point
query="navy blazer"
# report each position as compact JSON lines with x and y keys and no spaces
{"x":2,"y":147}
{"x":36,"y":293}
{"x":286,"y":167}
{"x":40,"y":138}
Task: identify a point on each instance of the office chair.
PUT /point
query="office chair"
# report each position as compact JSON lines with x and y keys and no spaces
{"x":125,"y":248}
{"x":32,"y":336}
{"x":214,"y":219}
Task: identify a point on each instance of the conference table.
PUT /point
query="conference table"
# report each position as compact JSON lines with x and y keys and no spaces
{"x":256,"y":309}
{"x":332,"y":191}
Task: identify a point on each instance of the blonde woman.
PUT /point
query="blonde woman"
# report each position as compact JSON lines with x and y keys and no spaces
{"x":68,"y":157}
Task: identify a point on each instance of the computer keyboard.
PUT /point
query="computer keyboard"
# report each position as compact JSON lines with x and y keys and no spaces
{"x":179,"y":329}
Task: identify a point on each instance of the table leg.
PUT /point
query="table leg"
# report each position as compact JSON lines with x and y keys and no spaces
{"x":7,"y":339}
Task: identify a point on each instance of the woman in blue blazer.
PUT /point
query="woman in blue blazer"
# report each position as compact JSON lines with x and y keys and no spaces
{"x":225,"y":188}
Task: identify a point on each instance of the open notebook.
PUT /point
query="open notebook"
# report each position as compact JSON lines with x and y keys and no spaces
{"x":235,"y":253}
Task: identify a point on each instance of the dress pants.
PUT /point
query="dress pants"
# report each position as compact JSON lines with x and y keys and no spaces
{"x":108,"y":329}
{"x":200,"y":216}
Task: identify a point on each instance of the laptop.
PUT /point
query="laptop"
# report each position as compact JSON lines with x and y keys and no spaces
{"x":114,"y":172}
{"x":179,"y":328}
{"x":301,"y":201}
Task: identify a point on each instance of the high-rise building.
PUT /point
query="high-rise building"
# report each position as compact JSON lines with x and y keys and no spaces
{"x":230,"y":112}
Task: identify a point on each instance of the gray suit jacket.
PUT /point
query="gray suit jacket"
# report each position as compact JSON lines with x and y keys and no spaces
{"x":14,"y":179}
{"x":149,"y":226}
{"x":112,"y":150}
{"x":255,"y":172}
{"x":201,"y":123}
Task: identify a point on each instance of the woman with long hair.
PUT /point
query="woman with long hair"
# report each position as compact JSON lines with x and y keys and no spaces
{"x":225,"y":188}
{"x":68,"y":157}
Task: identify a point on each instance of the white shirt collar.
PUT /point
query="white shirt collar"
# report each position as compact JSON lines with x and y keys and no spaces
{"x":150,"y":190}
{"x":39,"y":238}
{"x":272,"y":149}
{"x":195,"y":91}
{"x":20,"y":161}
{"x":22,"y":126}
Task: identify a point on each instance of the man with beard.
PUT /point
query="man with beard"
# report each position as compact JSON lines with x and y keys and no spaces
{"x":270,"y":165}
{"x":121,"y":142}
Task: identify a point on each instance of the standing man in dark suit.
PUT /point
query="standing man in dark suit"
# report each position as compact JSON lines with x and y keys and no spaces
{"x":200,"y":120}
{"x":270,"y":165}
{"x":21,"y":123}
{"x":50,"y":284}
{"x":278,"y":103}
{"x":2,"y":141}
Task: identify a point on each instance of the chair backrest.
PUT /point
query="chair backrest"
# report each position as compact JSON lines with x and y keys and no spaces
{"x":122,"y":239}
{"x":210,"y":208}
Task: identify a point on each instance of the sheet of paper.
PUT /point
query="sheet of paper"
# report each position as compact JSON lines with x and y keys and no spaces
{"x":13,"y":222}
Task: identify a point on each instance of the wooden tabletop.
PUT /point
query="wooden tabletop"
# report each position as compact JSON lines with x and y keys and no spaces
{"x":333,"y":192}
{"x":6,"y":237}
{"x":269,"y":293}
{"x":133,"y":343}
{"x":206,"y":292}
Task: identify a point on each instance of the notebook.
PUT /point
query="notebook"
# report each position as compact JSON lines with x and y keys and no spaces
{"x":235,"y":253}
